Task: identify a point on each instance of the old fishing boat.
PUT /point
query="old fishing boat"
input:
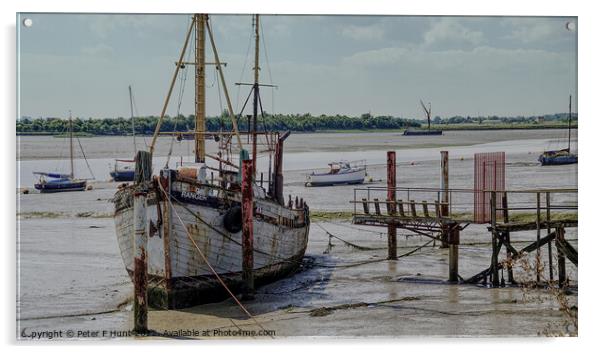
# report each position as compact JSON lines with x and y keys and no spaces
{"x":123,"y":170}
{"x":49,"y":182}
{"x":194,"y":216}
{"x":428,"y":131}
{"x":562,"y":156}
{"x":340,"y":172}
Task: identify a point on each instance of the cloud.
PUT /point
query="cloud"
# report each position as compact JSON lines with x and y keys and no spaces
{"x":450,"y":31}
{"x":530,"y":30}
{"x":364,"y":33}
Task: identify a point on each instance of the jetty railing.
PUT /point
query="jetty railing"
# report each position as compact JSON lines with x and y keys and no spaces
{"x":462,"y":205}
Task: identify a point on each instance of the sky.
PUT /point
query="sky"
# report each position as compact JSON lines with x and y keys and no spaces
{"x":384,"y":65}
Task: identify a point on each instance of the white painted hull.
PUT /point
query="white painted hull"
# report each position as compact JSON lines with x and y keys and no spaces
{"x":177,"y":272}
{"x":324,"y":179}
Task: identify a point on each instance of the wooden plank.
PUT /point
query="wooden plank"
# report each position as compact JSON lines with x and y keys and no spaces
{"x":401,"y":211}
{"x":366,"y":206}
{"x":377,"y":206}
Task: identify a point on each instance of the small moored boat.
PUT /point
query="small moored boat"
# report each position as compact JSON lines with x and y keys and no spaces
{"x":123,"y":171}
{"x":562,"y":156}
{"x":56,"y":182}
{"x":341,"y":172}
{"x":61,"y":182}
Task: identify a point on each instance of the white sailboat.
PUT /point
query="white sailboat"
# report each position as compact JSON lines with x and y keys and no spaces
{"x":340,"y":172}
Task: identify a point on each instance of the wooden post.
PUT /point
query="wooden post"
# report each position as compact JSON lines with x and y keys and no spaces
{"x":366,"y":206}
{"x":401,"y":211}
{"x":247,"y":226}
{"x":391,"y":197}
{"x":141,"y":178}
{"x":507,"y":235}
{"x":445,"y":183}
{"x":425,"y":209}
{"x":538,"y":221}
{"x":452,"y":233}
{"x":561,"y":258}
{"x":377,"y":206}
{"x":494,"y":260}
{"x":548,"y":219}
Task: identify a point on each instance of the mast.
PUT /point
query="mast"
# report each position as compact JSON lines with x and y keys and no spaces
{"x":199,"y":136}
{"x":132,"y":117}
{"x":71,"y":142}
{"x":570,"y":101}
{"x":255,"y":95}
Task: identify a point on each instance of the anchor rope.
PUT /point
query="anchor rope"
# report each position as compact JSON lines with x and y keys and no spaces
{"x":209,"y":264}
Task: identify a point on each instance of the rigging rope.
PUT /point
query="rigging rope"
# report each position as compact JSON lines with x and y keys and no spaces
{"x":244,"y":67}
{"x":85,"y":159}
{"x":137,"y":114}
{"x":183,"y":77}
{"x":267,"y":62}
{"x":209,"y":264}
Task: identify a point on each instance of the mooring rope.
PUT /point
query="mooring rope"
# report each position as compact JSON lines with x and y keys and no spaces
{"x":353,"y":245}
{"x":209,"y":264}
{"x":300,"y":262}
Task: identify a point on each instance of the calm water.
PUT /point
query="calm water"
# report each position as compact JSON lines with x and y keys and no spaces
{"x":71,"y":275}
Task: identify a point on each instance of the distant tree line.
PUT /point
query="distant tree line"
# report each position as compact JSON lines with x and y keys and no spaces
{"x":557,"y":117}
{"x":146,"y":125}
{"x":294,"y":122}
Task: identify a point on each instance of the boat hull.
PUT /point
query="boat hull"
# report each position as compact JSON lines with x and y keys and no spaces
{"x":327,"y":179}
{"x":122,"y":176}
{"x":559,"y":160}
{"x":178,"y":275}
{"x":557,"y":157}
{"x":60,"y":187}
{"x":422,"y":132}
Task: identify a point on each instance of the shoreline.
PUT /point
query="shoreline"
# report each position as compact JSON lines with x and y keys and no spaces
{"x":336,"y":131}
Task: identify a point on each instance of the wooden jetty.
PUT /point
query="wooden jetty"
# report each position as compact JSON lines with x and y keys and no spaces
{"x":442,"y":213}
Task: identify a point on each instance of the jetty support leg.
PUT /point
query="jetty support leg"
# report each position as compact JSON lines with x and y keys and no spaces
{"x":247,"y":226}
{"x":507,"y":237}
{"x":391,"y":197}
{"x":142,"y":178}
{"x":453,"y":241}
{"x":561,"y":258}
{"x":494,"y":249}
{"x":444,"y":189}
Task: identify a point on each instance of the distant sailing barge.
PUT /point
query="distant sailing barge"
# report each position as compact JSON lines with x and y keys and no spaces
{"x":195,"y":222}
{"x":428,"y":131}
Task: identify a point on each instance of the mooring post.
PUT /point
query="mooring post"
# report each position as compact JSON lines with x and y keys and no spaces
{"x":141,"y":179}
{"x":494,"y":259}
{"x":561,"y":258}
{"x":247,"y":227}
{"x":538,"y":221}
{"x":445,"y":189}
{"x":548,"y":219}
{"x":453,"y":241}
{"x":507,"y":236}
{"x":391,"y":197}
